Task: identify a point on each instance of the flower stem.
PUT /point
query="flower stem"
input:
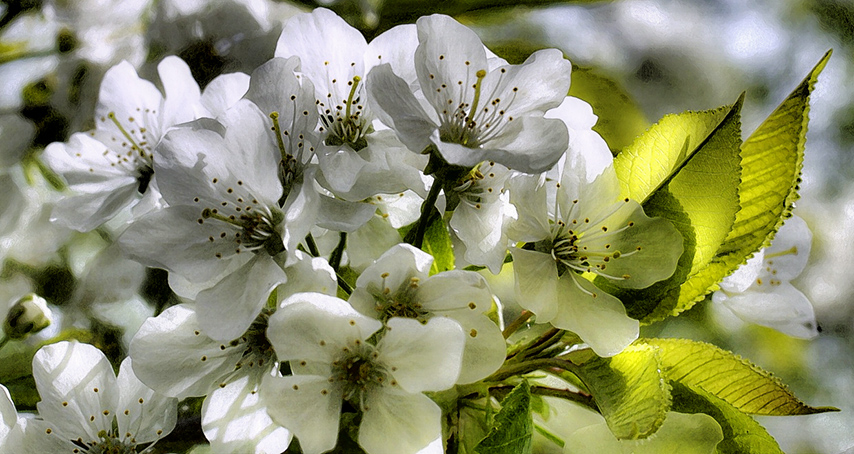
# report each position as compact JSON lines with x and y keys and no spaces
{"x":510,"y":370}
{"x":312,"y":246}
{"x":344,"y":285}
{"x":427,"y":209}
{"x":338,"y":253}
{"x":540,"y":344}
{"x":574,"y":396}
{"x":516,"y":324}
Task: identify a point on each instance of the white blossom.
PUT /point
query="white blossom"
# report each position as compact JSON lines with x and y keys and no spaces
{"x":326,"y":343}
{"x":84,"y":405}
{"x":227,"y":224}
{"x":588,"y":232}
{"x":398,"y":284}
{"x":473,"y":107}
{"x":111,"y":168}
{"x":760,"y":292}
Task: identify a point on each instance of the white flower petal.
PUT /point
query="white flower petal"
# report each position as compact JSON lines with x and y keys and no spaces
{"x":779,"y":306}
{"x":536,"y":283}
{"x":235,"y":420}
{"x":746,"y":274}
{"x":343,"y":216}
{"x":308,"y":274}
{"x":423,"y":357}
{"x":790,"y":250}
{"x":226,"y":310}
{"x":396,"y":47}
{"x":182,"y":92}
{"x":597,"y":317}
{"x":181,"y":247}
{"x":223,"y":92}
{"x":8,"y":417}
{"x":308,"y":405}
{"x":399,"y":423}
{"x":172,"y":355}
{"x":313,"y":326}
{"x":529,"y":196}
{"x":77,"y":385}
{"x":399,"y":109}
{"x":449,"y":52}
{"x":143,"y":415}
{"x":330,"y":62}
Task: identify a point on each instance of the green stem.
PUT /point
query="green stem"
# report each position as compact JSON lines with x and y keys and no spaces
{"x":427,"y":209}
{"x":515,"y":369}
{"x":338,"y":253}
{"x":516,"y":324}
{"x":574,"y":396}
{"x":344,"y":285}
{"x":312,"y":246}
{"x":4,"y":341}
{"x":539,"y":344}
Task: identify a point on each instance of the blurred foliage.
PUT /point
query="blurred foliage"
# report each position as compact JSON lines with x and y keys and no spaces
{"x":836,"y":16}
{"x":376,"y":16}
{"x":620,"y":118}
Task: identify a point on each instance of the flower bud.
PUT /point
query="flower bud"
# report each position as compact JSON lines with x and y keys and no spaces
{"x":28,"y":316}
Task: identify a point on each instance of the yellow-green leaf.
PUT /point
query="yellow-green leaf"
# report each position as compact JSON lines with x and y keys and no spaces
{"x":630,"y":391}
{"x":742,"y":434}
{"x":654,"y":157}
{"x":771,"y":160}
{"x":745,"y":386}
{"x":685,"y":169}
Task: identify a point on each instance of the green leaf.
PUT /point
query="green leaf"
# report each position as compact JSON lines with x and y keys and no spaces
{"x":513,"y":428}
{"x":655,"y":157}
{"x":680,"y":434}
{"x":771,"y":159}
{"x":685,"y":169}
{"x":742,"y":434}
{"x":437,"y":242}
{"x":745,"y":386}
{"x":630,"y":391}
{"x":620,"y":118}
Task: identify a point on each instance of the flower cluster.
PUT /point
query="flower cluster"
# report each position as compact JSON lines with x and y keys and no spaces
{"x":300,"y":212}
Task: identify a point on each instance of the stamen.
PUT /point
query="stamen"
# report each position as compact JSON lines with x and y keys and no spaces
{"x":350,"y":102}
{"x":112,"y":116}
{"x":481,"y":74}
{"x":285,"y":155}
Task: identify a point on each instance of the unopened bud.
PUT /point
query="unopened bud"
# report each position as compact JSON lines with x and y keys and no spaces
{"x":28,"y":316}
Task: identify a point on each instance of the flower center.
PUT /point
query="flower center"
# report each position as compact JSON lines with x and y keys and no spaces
{"x":345,"y":124}
{"x":258,"y":350}
{"x":107,"y":444}
{"x":257,"y":228}
{"x":399,"y":303}
{"x":137,"y":155}
{"x":469,"y":124}
{"x":358,"y":371}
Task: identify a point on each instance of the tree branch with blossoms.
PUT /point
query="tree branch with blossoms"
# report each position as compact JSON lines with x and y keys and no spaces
{"x":330,"y":225}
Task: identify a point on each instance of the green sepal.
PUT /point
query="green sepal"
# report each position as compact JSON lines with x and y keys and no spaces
{"x":745,"y":386}
{"x":513,"y":426}
{"x":742,"y":434}
{"x":630,"y":391}
{"x":685,"y":169}
{"x":437,"y":242}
